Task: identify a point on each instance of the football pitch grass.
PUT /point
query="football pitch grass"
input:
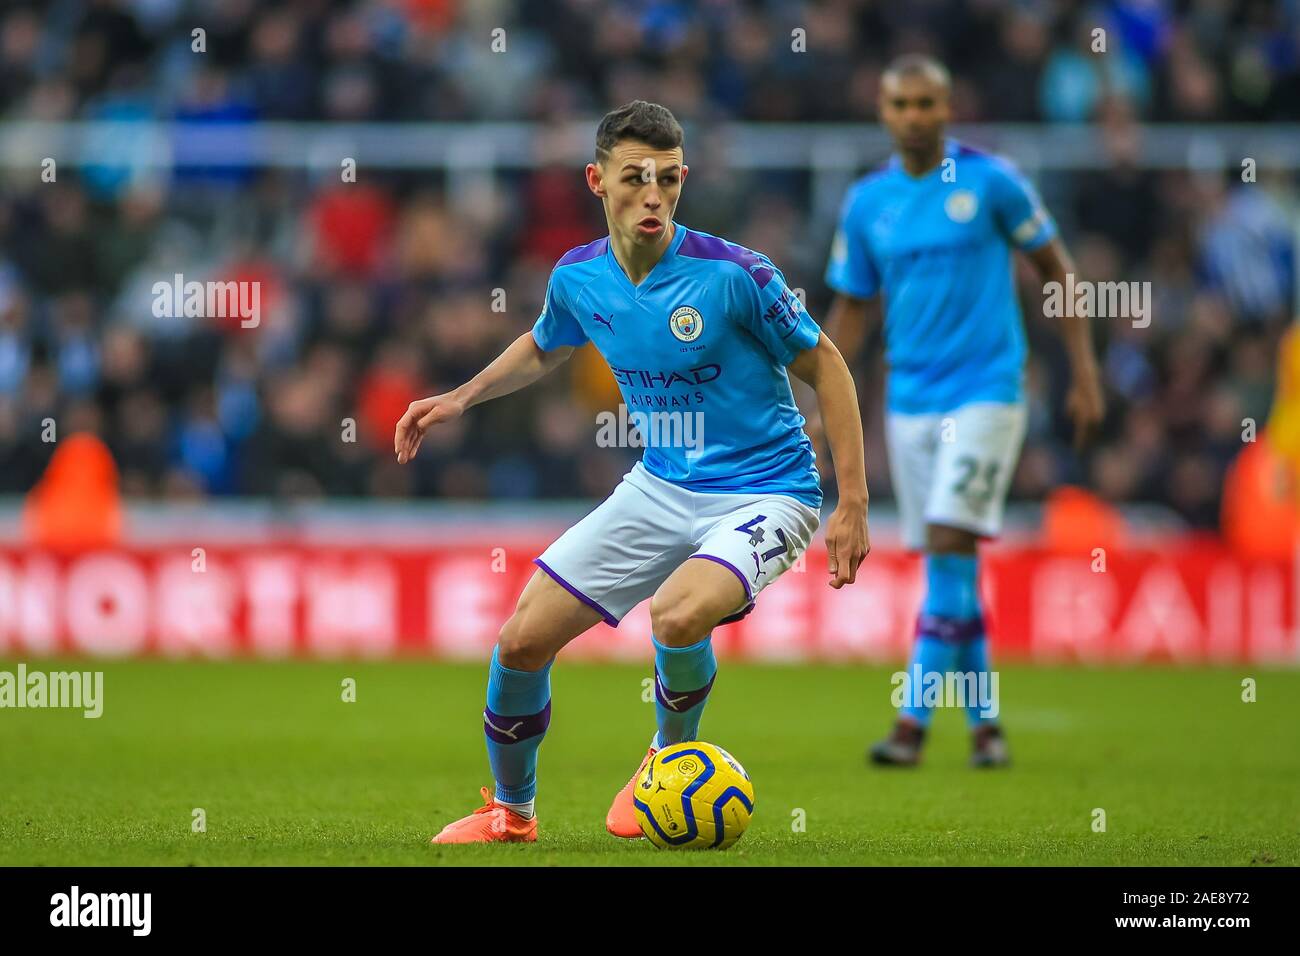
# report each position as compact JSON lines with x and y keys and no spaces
{"x":286,"y":772}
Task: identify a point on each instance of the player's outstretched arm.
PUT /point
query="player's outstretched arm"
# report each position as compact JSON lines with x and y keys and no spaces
{"x":522,"y":363}
{"x":847,"y":540}
{"x":1085,"y":402}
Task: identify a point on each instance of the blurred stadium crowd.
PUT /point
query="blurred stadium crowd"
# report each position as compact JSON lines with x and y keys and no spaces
{"x":380,"y":291}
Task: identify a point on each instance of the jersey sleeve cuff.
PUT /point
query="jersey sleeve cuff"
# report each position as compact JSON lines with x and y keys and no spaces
{"x":800,"y":341}
{"x":1039,"y":229}
{"x":847,"y":288}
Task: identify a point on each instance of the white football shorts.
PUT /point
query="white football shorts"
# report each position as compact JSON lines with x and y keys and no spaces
{"x":619,"y":554}
{"x":954,"y":468}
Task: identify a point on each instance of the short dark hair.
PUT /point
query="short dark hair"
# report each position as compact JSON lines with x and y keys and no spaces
{"x":648,"y":123}
{"x":918,"y":64}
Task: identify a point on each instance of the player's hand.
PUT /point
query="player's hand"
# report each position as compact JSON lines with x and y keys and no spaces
{"x":1085,"y":403}
{"x":847,"y":542}
{"x":419,"y":418}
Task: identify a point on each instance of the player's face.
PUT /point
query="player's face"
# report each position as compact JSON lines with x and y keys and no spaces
{"x":640,"y":186}
{"x":914,"y":108}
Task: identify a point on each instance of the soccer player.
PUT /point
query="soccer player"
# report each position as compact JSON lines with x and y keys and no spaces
{"x":932,"y":232}
{"x":690,"y":325}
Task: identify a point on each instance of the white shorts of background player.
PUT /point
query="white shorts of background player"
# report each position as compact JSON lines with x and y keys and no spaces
{"x":954,"y":468}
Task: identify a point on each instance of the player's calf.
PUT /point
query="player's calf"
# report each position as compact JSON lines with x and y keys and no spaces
{"x":517,"y":711}
{"x":683,"y":614}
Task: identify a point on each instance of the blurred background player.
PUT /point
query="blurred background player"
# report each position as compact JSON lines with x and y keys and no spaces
{"x":692,"y":326}
{"x":931,"y":232}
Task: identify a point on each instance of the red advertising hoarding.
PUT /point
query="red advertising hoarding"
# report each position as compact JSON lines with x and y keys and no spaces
{"x":1184,"y":601}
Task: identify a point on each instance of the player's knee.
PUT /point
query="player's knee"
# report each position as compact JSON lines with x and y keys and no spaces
{"x":677,"y":623}
{"x":942,"y":539}
{"x":518,"y":647}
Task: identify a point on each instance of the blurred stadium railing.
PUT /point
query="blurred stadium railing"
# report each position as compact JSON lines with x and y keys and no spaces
{"x":469,"y":153}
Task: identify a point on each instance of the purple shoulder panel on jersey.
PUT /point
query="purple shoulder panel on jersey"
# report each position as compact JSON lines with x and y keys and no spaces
{"x":699,"y":246}
{"x":592,"y":250}
{"x":964,"y":150}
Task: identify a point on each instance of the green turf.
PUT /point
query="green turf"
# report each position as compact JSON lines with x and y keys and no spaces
{"x":289,"y":774}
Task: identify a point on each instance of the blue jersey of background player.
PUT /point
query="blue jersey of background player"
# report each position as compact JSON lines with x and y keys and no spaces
{"x":931,"y":234}
{"x":939,"y":249}
{"x":700,"y":331}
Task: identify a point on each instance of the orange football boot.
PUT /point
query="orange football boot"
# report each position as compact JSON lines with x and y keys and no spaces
{"x":621,"y":819}
{"x":491,"y":823}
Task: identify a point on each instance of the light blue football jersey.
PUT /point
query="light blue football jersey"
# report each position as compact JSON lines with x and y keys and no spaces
{"x":938,"y":248}
{"x":709,"y":330}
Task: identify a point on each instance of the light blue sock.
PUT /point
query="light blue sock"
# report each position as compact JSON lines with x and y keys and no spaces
{"x":930,"y":655}
{"x":515,"y":720}
{"x":949,"y":622}
{"x":683,"y":679}
{"x":973,"y":657}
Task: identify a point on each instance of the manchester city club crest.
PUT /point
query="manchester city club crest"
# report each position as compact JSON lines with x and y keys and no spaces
{"x":961,"y":205}
{"x":686,"y":324}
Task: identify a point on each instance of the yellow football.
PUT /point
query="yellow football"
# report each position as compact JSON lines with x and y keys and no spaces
{"x":693,"y":795}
